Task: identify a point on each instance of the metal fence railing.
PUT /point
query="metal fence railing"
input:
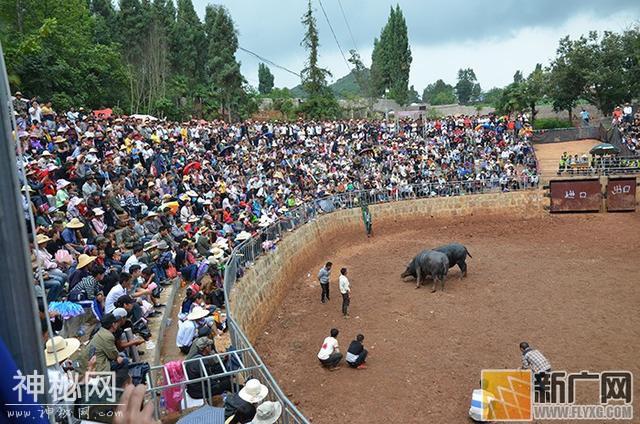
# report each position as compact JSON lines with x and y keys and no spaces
{"x":247,"y":365}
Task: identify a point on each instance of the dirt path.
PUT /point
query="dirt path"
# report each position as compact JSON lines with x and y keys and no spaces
{"x":549,"y":154}
{"x":566,"y":284}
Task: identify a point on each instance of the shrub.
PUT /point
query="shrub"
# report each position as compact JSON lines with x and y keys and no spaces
{"x":551,"y":123}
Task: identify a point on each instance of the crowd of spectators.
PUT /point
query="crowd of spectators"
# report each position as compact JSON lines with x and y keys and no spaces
{"x":629,"y":125}
{"x":121,"y":205}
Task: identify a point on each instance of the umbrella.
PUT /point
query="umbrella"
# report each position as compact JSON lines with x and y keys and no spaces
{"x":326,"y":205}
{"x":190,"y":166}
{"x":604,"y":149}
{"x":226,"y":150}
{"x":207,"y":414}
{"x":144,"y":117}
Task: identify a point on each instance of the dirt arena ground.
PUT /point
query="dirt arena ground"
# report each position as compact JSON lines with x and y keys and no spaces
{"x":568,"y":284}
{"x":549,"y":154}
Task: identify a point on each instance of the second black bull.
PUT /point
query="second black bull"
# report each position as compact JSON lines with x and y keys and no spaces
{"x":420,"y":267}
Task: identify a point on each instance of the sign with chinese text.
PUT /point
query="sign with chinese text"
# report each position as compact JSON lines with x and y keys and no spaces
{"x":621,"y":194}
{"x":575,"y":195}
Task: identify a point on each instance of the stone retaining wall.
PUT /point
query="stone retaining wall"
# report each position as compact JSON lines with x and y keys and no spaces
{"x":259,"y":293}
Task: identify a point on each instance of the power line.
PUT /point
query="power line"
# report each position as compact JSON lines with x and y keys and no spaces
{"x":344,"y":16}
{"x":269,"y":61}
{"x":334,"y":35}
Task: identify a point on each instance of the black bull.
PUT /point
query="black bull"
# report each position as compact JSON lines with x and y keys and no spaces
{"x":456,"y":255}
{"x":428,"y":263}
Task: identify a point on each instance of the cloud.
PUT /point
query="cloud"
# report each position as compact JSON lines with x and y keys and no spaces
{"x":496,"y":38}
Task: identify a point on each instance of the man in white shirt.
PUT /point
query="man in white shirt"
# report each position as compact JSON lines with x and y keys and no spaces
{"x":345,"y":290}
{"x":329,"y":354}
{"x":133,"y":259}
{"x":117,"y":292}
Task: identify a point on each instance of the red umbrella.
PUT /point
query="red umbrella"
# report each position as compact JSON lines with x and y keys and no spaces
{"x":190,"y":166}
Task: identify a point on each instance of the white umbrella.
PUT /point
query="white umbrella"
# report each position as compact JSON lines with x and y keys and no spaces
{"x":144,"y":117}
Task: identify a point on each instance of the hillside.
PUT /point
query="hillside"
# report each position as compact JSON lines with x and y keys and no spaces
{"x":343,"y":87}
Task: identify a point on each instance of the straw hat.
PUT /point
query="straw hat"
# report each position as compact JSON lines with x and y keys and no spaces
{"x":84,"y":260}
{"x":193,"y":219}
{"x":184,"y":197}
{"x":222,"y":243}
{"x":197,"y":313}
{"x":244,"y":235}
{"x":75,"y":223}
{"x":216,"y":252}
{"x":98,"y":211}
{"x":58,"y":349}
{"x":264,"y":222}
{"x":150,"y":245}
{"x":42,"y":238}
{"x":267,"y":413}
{"x":59,"y":139}
{"x":27,"y":188}
{"x":46,"y":153}
{"x":253,"y":391}
{"x":75,"y":201}
{"x":62,"y":183}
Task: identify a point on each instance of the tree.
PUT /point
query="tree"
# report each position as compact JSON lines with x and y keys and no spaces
{"x":439,"y":93}
{"x":524,"y":94}
{"x":566,"y":81}
{"x":413,"y":96}
{"x":391,"y":59}
{"x":467,"y":88}
{"x":321,"y":102}
{"x":492,"y":96}
{"x":50,"y":51}
{"x":265,"y":79}
{"x":225,"y":79}
{"x":105,"y":21}
{"x":362,"y":75}
{"x":188,"y":43}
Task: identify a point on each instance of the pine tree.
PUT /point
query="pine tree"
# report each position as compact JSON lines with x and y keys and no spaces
{"x":265,"y":79}
{"x":391,"y":59}
{"x":320,"y":103}
{"x":105,"y":20}
{"x":188,"y":43}
{"x":222,"y":68}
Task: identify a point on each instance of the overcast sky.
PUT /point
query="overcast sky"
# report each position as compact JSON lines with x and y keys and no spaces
{"x":495,"y":38}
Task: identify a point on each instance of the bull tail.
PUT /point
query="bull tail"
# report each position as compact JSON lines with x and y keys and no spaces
{"x":468,"y":254}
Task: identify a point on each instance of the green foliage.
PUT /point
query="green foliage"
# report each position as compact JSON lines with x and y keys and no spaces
{"x":467,"y":88}
{"x":412,"y":95}
{"x":551,"y":123}
{"x":265,"y":79}
{"x":283,"y":102}
{"x":433,"y":114}
{"x":321,"y":103}
{"x":492,"y":96}
{"x":360,"y":74}
{"x":225,"y":80}
{"x":50,"y":52}
{"x":602,"y":69}
{"x":391,"y":59}
{"x":144,"y":57}
{"x":524,"y":94}
{"x":439,"y":93}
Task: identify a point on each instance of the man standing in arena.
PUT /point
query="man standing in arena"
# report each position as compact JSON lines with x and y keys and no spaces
{"x":323,"y":277}
{"x":345,"y":291}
